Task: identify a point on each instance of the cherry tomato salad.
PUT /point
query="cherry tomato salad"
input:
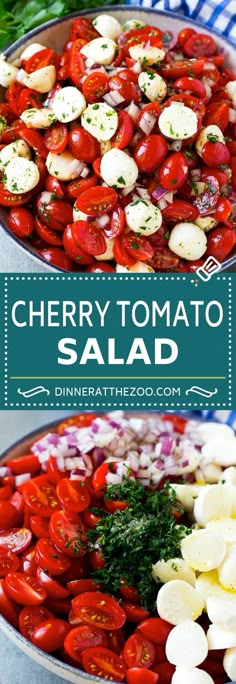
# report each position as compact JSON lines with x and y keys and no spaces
{"x":119,"y":154}
{"x":117,"y":547}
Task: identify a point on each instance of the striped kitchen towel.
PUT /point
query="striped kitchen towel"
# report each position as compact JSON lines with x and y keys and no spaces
{"x":220,"y":16}
{"x":228,"y":417}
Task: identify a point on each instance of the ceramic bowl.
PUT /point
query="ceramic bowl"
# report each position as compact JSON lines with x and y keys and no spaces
{"x":55,"y":33}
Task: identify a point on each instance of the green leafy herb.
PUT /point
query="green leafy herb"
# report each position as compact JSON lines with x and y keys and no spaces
{"x":212,"y":138}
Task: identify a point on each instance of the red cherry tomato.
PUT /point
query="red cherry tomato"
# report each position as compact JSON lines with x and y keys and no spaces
{"x":117,"y":223}
{"x":155,"y":629}
{"x":101,"y":610}
{"x":124,"y":132}
{"x":50,"y":635}
{"x":56,"y":257}
{"x":49,"y":236}
{"x":83,"y":145}
{"x":56,"y":138}
{"x":8,"y":199}
{"x":35,"y":140}
{"x":5,"y":492}
{"x":49,"y":558}
{"x":54,"y":186}
{"x":121,"y":254}
{"x":97,"y":201}
{"x":7,"y":515}
{"x":220,"y":242}
{"x":16,"y":539}
{"x":11,"y":133}
{"x":89,"y":238}
{"x":24,"y":589}
{"x":54,"y":589}
{"x":138,"y":246}
{"x":150,"y":153}
{"x":135,"y":613}
{"x":9,"y":562}
{"x":41,"y":59}
{"x":96,"y":560}
{"x":104,"y":663}
{"x":199,"y":45}
{"x":74,"y":250}
{"x":194,"y":85}
{"x":25,"y":464}
{"x":180,"y":210}
{"x":78,"y":186}
{"x":139,"y":675}
{"x":184,"y":67}
{"x":79,"y":586}
{"x":184,"y":35}
{"x":99,"y":476}
{"x":190,"y":101}
{"x":126,"y":89}
{"x":73,"y":495}
{"x":173,"y":171}
{"x":217,"y":114}
{"x":139,"y":651}
{"x":165,"y":671}
{"x":56,"y":214}
{"x":113,"y":506}
{"x":83,"y":637}
{"x":95,"y":86}
{"x":83,"y":28}
{"x":76,"y":66}
{"x":68,"y":534}
{"x":116,"y":640}
{"x":28,"y":563}
{"x":30,"y":617}
{"x":216,"y":153}
{"x":164,"y":259}
{"x":129,"y":593}
{"x":40,"y":495}
{"x":81,"y":420}
{"x":223,"y":209}
{"x":8,"y":609}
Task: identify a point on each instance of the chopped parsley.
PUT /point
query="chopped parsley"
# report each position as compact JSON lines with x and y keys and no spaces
{"x":212,"y":138}
{"x":121,"y":180}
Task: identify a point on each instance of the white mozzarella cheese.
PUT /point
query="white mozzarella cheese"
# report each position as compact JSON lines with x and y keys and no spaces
{"x":143,"y":217}
{"x":227,"y":569}
{"x":138,"y":267}
{"x":38,"y":118}
{"x":131,"y":24}
{"x":178,"y":122}
{"x":79,"y":215}
{"x":221,"y":450}
{"x":153,"y":86}
{"x":31,"y":50}
{"x":186,"y":495}
{"x":228,"y":476}
{"x":206,"y":222}
{"x":19,"y":148}
{"x":3,"y":124}
{"x":109,"y":253}
{"x":208,"y":134}
{"x":225,"y":527}
{"x":213,"y":502}
{"x":203,"y":550}
{"x":229,"y":663}
{"x":219,"y":638}
{"x":64,"y":166}
{"x":107,"y":26}
{"x":188,"y":241}
{"x":212,"y":473}
{"x":8,"y":72}
{"x":186,"y":645}
{"x":195,"y":676}
{"x":207,"y":584}
{"x":178,"y":601}
{"x":146,"y":55}
{"x":172,"y":569}
{"x":221,"y":612}
{"x":20,"y":77}
{"x":21,"y":175}
{"x":118,"y":169}
{"x":209,"y":430}
{"x":231,"y":90}
{"x":68,"y":104}
{"x":100,"y":50}
{"x":42,"y":80}
{"x":100,"y":120}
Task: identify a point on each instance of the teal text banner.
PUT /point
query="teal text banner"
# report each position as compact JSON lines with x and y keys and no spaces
{"x":117,"y":341}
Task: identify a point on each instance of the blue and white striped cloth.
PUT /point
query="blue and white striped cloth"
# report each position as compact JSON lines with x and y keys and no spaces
{"x":228,"y":417}
{"x":220,"y":16}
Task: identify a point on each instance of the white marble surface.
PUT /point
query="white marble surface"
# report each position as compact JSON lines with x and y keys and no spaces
{"x":14,"y":259}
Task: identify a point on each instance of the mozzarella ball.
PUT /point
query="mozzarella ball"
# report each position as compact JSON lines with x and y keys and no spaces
{"x":231,"y":90}
{"x":228,"y":476}
{"x":219,"y":638}
{"x":3,"y":124}
{"x":225,"y":527}
{"x":221,"y":612}
{"x":207,"y":584}
{"x":107,"y":26}
{"x":118,"y":169}
{"x":20,"y":77}
{"x":109,"y":253}
{"x":138,"y":267}
{"x":177,"y":601}
{"x":173,"y":568}
{"x":205,"y":136}
{"x":211,"y":429}
{"x":42,"y":80}
{"x":227,"y":569}
{"x":21,"y":175}
{"x":143,"y":217}
{"x":63,"y":166}
{"x":221,"y":450}
{"x":8,"y":73}
{"x":79,"y":215}
{"x":229,"y":663}
{"x":38,"y":118}
{"x":146,"y":55}
{"x":186,"y":645}
{"x":178,"y":122}
{"x":153,"y":86}
{"x":133,"y":24}
{"x":68,"y":104}
{"x":212,"y":473}
{"x":100,"y":50}
{"x":31,"y":50}
{"x":100,"y":120}
{"x":206,"y":222}
{"x":203,"y":550}
{"x":188,"y":241}
{"x":213,"y":502}
{"x":194,"y":676}
{"x":186,"y":495}
{"x":19,"y":148}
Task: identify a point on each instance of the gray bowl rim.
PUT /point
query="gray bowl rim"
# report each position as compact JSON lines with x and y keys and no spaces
{"x":54,"y":22}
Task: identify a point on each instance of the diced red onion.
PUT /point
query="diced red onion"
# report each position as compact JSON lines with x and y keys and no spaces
{"x":20,"y":479}
{"x":137,"y":68}
{"x":195,"y":174}
{"x":170,"y":44}
{"x":5,"y":471}
{"x":185,"y":463}
{"x":113,"y":478}
{"x":94,"y":427}
{"x":113,"y":98}
{"x":103,"y":220}
{"x":85,"y":172}
{"x":162,"y":204}
{"x":143,"y":193}
{"x":78,"y":474}
{"x":147,"y":122}
{"x":159,"y":192}
{"x":166,"y":446}
{"x":98,"y":456}
{"x":133,"y":111}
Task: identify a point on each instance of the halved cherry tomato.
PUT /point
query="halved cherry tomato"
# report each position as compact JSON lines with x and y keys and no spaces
{"x":97,"y":201}
{"x":99,"y":476}
{"x":7,"y":515}
{"x":208,"y":199}
{"x":83,"y":637}
{"x":121,"y":254}
{"x":41,"y":497}
{"x":28,"y":463}
{"x":139,"y":651}
{"x":55,"y":213}
{"x":96,"y":560}
{"x":184,"y":67}
{"x":8,"y":609}
{"x":35,"y":140}
{"x":54,"y":186}
{"x":95,"y":86}
{"x":11,"y":133}
{"x":76,"y":66}
{"x":138,"y":246}
{"x":54,"y":589}
{"x":129,"y":593}
{"x":165,"y":671}
{"x":116,"y":640}
{"x":29,"y":98}
{"x":184,"y":35}
{"x":49,"y":236}
{"x":150,"y":153}
{"x":78,"y":570}
{"x":179,"y":423}
{"x":12,"y":97}
{"x":173,"y":171}
{"x":83,"y":145}
{"x":138,"y":675}
{"x":180,"y":210}
{"x":53,"y":472}
{"x":194,"y":85}
{"x":80,"y":586}
{"x":73,"y":495}
{"x":218,"y":174}
{"x":117,"y":223}
{"x":126,"y":89}
{"x":16,"y":539}
{"x":124,"y":131}
{"x":32,"y":616}
{"x":9,"y":562}
{"x":8,"y":199}
{"x":220,"y":242}
{"x":28,"y":563}
{"x":113,"y":506}
{"x":56,"y":257}
{"x":81,"y":420}
{"x":217,"y":114}
{"x":223,"y":209}
{"x":5,"y":492}
{"x":41,"y":59}
{"x":135,"y":613}
{"x":50,"y":635}
{"x":88,"y":237}
{"x":83,"y":28}
{"x":155,"y":629}
{"x":199,"y":45}
{"x":24,"y":589}
{"x":56,"y":138}
{"x":49,"y":558}
{"x":101,"y":610}
{"x":164,"y":259}
{"x":68,"y":534}
{"x":104,"y":663}
{"x":73,"y":250}
{"x":78,"y":186}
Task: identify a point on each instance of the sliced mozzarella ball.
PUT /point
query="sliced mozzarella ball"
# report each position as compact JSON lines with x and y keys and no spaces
{"x":206,"y":135}
{"x":19,"y":148}
{"x":146,"y":55}
{"x":143,"y":217}
{"x":21,"y":175}
{"x":229,"y":663}
{"x":227,"y":569}
{"x":100,"y":50}
{"x":64,"y":166}
{"x":178,"y":122}
{"x":133,"y":24}
{"x":195,"y":676}
{"x":207,"y":584}
{"x":221,"y":450}
{"x":219,"y":638}
{"x":212,"y":473}
{"x":100,"y":120}
{"x":68,"y":104}
{"x":21,"y":76}
{"x":221,"y":612}
{"x":229,"y":476}
{"x":209,"y":430}
{"x":214,"y":501}
{"x":188,"y":241}
{"x":186,"y":645}
{"x":109,"y":253}
{"x":41,"y":80}
{"x":3,"y":124}
{"x":231,"y":90}
{"x":172,"y":569}
{"x":138,"y":267}
{"x":8,"y":73}
{"x":38,"y":118}
{"x":177,"y":601}
{"x":118,"y":169}
{"x":203,"y":550}
{"x":31,"y":50}
{"x":79,"y":215}
{"x":107,"y":26}
{"x":206,"y":222}
{"x":153,"y":86}
{"x":186,"y":495}
{"x":225,"y":527}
